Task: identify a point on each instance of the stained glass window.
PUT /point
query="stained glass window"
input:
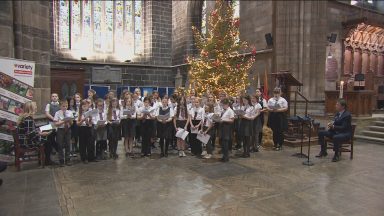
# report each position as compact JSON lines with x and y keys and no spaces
{"x":64,"y":24}
{"x":138,"y":46}
{"x":75,"y":24}
{"x":101,"y":26}
{"x":236,"y":8}
{"x":204,"y":18}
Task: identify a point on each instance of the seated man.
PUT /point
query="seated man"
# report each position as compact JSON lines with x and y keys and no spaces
{"x":339,"y":130}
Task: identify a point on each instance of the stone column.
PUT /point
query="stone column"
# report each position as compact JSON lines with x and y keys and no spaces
{"x":6,"y":29}
{"x":365,"y":61}
{"x":380,"y":64}
{"x":357,"y":61}
{"x":373,"y":63}
{"x":348,"y":61}
{"x":32,"y":37}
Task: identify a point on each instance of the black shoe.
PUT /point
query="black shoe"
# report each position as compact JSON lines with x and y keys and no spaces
{"x":257,"y":149}
{"x":1,"y":182}
{"x":335,"y":158}
{"x":162,"y":155}
{"x":224,"y":160}
{"x":322,"y":154}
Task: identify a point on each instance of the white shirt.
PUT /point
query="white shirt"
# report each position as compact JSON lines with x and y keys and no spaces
{"x":197,"y":113}
{"x":150,"y":109}
{"x":250,"y":111}
{"x":138,"y":103}
{"x":273,"y":103}
{"x":180,"y":117}
{"x":60,"y":115}
{"x":96,"y":118}
{"x":228,"y":115}
{"x":208,"y":119}
{"x":118,"y":114}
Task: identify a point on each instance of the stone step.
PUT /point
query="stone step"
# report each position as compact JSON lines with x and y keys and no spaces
{"x":376,"y":128}
{"x":379,"y":123}
{"x":375,"y":134}
{"x":369,"y":139}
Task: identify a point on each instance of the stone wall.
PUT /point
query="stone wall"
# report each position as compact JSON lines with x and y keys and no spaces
{"x":25,"y":35}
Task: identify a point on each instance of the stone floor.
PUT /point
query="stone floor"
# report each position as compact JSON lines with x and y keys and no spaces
{"x":269,"y":183}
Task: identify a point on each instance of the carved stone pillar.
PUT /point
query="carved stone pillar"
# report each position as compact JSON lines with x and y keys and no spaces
{"x":365,"y":61}
{"x":380,"y":64}
{"x":357,"y":61}
{"x":348,"y":61}
{"x":373,"y":63}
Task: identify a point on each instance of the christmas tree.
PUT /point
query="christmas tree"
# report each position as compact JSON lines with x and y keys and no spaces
{"x":220,"y":65}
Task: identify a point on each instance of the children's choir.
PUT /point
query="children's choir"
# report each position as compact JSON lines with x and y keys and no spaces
{"x":94,"y":127}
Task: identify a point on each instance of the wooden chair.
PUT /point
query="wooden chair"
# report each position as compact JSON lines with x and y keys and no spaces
{"x":26,"y":154}
{"x":346,"y":146}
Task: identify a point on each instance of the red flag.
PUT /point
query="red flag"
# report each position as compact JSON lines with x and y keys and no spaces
{"x":265,"y":90}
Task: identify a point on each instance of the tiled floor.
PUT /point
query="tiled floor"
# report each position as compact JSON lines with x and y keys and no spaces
{"x":269,"y":183}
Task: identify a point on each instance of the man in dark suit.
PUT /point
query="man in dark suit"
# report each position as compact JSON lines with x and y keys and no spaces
{"x":339,"y":130}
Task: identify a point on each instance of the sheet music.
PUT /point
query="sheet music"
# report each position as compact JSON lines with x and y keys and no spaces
{"x":239,"y":112}
{"x":67,"y":119}
{"x":91,"y":113}
{"x":101,"y":122}
{"x":203,"y":138}
{"x":181,"y":133}
{"x":47,"y":127}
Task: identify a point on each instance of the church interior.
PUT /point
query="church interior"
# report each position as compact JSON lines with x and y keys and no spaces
{"x":266,"y":86}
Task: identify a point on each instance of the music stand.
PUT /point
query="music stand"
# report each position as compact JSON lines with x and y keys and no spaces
{"x":309,"y":121}
{"x":301,"y":155}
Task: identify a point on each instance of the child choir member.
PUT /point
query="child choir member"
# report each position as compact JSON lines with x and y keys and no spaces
{"x":114,"y":129}
{"x":257,"y":126}
{"x":225,"y":129}
{"x":236,"y":124}
{"x":75,"y":108}
{"x":165,"y":126}
{"x":208,"y":128}
{"x":63,"y":120}
{"x":128,"y":124}
{"x":86,"y":147}
{"x":246,"y":124}
{"x":181,"y":120}
{"x":100,"y":130}
{"x":196,"y":114}
{"x":263,"y":105}
{"x":277,"y":106}
{"x":146,"y":115}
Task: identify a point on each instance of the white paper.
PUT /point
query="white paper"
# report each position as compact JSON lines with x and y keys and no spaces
{"x":239,"y":112}
{"x":46,"y":127}
{"x":203,"y":138}
{"x":128,"y":112}
{"x":101,"y":122}
{"x":91,"y":113}
{"x":181,"y":133}
{"x":67,"y":119}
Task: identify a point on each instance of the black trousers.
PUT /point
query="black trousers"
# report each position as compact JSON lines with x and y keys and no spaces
{"x":146,"y":144}
{"x":86,"y":147}
{"x":225,"y":148}
{"x":246,"y":144}
{"x":278,"y":137}
{"x":101,"y":146}
{"x":51,"y":143}
{"x":337,"y":139}
{"x":164,"y":144}
{"x":196,"y":147}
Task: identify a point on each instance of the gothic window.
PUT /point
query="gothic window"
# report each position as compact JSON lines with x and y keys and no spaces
{"x":204,"y":18}
{"x":236,"y":9}
{"x":100,"y":26}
